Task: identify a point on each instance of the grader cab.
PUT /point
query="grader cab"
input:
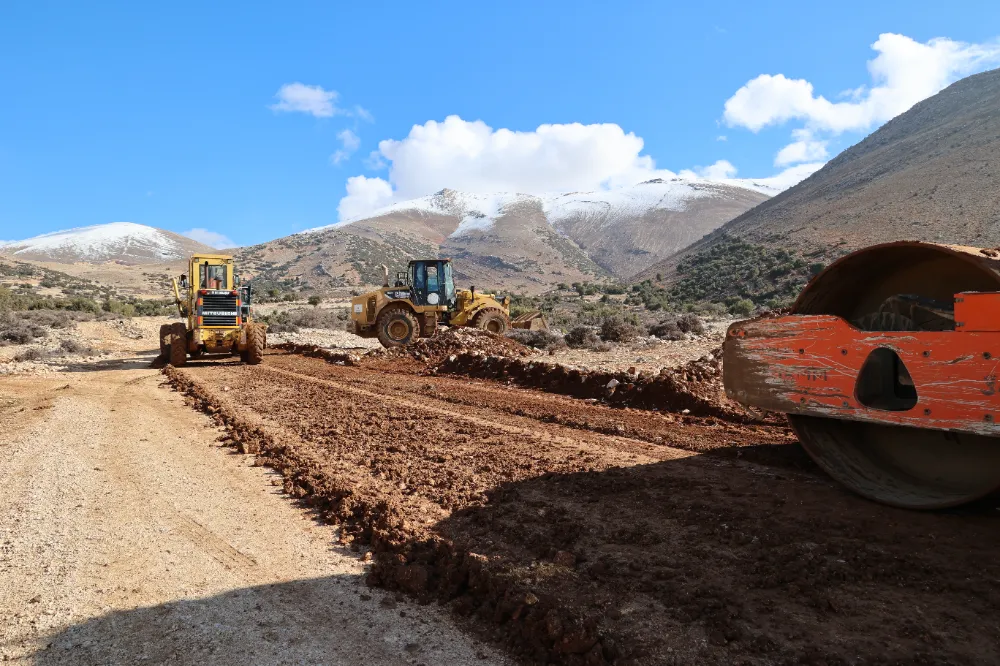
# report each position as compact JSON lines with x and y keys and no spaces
{"x":217,"y":313}
{"x":424,"y":297}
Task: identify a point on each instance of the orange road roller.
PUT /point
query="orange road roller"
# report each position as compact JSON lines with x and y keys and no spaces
{"x":887,"y":369}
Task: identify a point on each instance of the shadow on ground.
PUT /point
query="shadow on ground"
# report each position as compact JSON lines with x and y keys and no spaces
{"x":700,"y":561}
{"x":332,"y":620}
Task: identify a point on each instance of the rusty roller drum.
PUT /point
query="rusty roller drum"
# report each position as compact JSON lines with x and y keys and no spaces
{"x":901,"y":465}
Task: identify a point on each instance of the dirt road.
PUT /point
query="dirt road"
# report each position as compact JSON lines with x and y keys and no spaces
{"x":128,"y":535}
{"x":582,"y":534}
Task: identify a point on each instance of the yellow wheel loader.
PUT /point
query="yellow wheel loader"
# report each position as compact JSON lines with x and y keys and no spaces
{"x":217,"y":313}
{"x":423,"y":298}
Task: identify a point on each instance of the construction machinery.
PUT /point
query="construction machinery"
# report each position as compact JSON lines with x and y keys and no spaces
{"x":217,"y":313}
{"x":422,"y":299}
{"x":887,"y":370}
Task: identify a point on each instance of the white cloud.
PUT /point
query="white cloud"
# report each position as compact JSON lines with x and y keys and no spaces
{"x":363,"y":114}
{"x":903,"y":73}
{"x":363,"y":196}
{"x":804,"y":149}
{"x":721,"y":137}
{"x":721,"y":170}
{"x":349,"y":142}
{"x":314,"y":100}
{"x":789,"y":177}
{"x":209,"y":238}
{"x":473,"y":157}
{"x":375,"y":162}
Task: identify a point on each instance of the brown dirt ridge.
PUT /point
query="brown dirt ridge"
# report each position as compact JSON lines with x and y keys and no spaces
{"x":582,"y":533}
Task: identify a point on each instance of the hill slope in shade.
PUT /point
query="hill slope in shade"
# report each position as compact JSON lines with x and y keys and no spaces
{"x":932,"y":173}
{"x":124,"y":242}
{"x":520,"y":242}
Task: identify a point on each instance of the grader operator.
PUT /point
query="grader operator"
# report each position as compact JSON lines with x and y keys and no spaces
{"x":217,"y":313}
{"x":424,"y":297}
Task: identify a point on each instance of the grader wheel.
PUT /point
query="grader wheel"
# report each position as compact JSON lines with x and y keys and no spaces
{"x":397,"y":327}
{"x":165,"y":341}
{"x":178,"y":345}
{"x":256,"y":342}
{"x":491,"y":320}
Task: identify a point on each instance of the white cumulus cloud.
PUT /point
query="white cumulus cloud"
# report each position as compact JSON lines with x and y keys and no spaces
{"x":349,"y":142}
{"x":903,"y":73}
{"x":209,"y":238}
{"x":363,"y":196}
{"x":471,"y":156}
{"x":805,"y":148}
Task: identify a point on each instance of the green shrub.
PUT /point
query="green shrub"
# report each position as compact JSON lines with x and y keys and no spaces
{"x":742,"y":307}
{"x":539,"y":339}
{"x":616,"y":329}
{"x":582,"y":337}
{"x":673,"y":327}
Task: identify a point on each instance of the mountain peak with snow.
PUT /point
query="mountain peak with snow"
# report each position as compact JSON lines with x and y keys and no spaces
{"x":122,"y":242}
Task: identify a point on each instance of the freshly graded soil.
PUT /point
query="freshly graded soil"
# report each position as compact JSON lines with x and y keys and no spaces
{"x":576,"y":532}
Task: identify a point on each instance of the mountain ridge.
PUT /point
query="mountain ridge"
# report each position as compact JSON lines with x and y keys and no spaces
{"x":521,"y":242}
{"x":121,"y":242}
{"x":928,"y":174}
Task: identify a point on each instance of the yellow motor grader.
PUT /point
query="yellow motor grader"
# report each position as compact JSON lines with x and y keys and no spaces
{"x":424,"y":297}
{"x":217,"y":313}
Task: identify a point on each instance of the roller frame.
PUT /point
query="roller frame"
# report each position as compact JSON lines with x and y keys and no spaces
{"x":809,"y":365}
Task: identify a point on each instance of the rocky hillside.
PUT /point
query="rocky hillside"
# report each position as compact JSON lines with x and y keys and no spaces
{"x":120,"y":242}
{"x":519,"y":242}
{"x":929,"y":174}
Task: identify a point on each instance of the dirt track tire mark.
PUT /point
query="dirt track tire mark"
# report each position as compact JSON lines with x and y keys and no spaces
{"x":218,"y":548}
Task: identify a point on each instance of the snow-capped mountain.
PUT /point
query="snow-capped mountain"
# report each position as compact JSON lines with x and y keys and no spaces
{"x":125,"y":242}
{"x":523,"y":242}
{"x":478,"y":211}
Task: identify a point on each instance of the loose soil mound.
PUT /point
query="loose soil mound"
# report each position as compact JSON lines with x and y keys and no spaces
{"x":694,"y":388}
{"x":329,"y":355}
{"x":460,"y":341}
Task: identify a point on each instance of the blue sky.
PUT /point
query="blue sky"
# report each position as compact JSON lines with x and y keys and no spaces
{"x":166,"y":113}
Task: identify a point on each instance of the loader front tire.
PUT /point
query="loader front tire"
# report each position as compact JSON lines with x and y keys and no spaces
{"x":256,"y":342}
{"x":165,"y":341}
{"x":491,"y":320}
{"x":397,"y":327}
{"x":178,"y":345}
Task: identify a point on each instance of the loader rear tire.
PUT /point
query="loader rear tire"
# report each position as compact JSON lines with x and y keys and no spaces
{"x":491,"y":320}
{"x":256,"y":342}
{"x":397,"y":327}
{"x":178,"y":345}
{"x":165,"y":341}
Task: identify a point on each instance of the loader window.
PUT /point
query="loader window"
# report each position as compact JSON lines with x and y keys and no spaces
{"x":449,"y":285}
{"x":212,"y":277}
{"x":432,"y":279}
{"x":419,"y":278}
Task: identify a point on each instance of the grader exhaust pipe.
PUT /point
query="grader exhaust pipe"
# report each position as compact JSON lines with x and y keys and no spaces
{"x":887,"y":369}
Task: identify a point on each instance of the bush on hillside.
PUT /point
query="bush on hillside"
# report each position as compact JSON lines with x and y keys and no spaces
{"x":673,"y":327}
{"x":582,"y":337}
{"x":617,"y":329}
{"x":546,"y":340}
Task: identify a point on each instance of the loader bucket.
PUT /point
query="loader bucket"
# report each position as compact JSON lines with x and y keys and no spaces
{"x":531,"y":321}
{"x":904,"y":466}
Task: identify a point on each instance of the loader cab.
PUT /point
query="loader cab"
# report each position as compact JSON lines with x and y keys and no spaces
{"x":432,"y":282}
